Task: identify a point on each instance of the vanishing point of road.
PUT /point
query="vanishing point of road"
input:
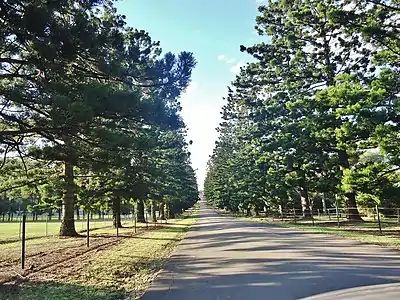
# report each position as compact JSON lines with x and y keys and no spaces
{"x":225,"y":258}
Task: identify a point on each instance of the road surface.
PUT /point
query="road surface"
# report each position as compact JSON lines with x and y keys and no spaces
{"x":224,"y":258}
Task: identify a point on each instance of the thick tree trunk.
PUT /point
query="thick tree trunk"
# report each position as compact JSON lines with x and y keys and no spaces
{"x":116,"y":206}
{"x":59,"y":214}
{"x":153,"y":211}
{"x":351,"y":204}
{"x":162,"y":211}
{"x":248,"y":211}
{"x":67,"y":223}
{"x":77,"y":213}
{"x":140,"y":211}
{"x":170,"y":212}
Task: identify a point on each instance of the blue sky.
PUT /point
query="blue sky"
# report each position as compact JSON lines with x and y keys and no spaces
{"x":213,"y":30}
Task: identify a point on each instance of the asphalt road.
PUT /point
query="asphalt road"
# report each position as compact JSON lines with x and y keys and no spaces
{"x":224,"y":258}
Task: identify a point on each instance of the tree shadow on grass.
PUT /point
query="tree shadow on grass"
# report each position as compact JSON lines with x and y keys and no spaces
{"x":59,"y":291}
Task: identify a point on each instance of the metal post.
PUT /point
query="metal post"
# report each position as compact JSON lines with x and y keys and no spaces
{"x":135,"y":222}
{"x":23,"y":241}
{"x":294,"y":215}
{"x":87,"y":230}
{"x":117,"y":225}
{"x":337,"y":216}
{"x":379,"y":219}
{"x":20,"y":228}
{"x":312,"y":217}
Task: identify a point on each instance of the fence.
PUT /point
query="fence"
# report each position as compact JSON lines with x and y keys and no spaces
{"x":43,"y":226}
{"x":380,"y":218}
{"x":17,"y":232}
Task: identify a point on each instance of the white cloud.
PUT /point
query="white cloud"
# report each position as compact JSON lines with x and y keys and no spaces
{"x":221,"y":57}
{"x":226,"y":59}
{"x":260,"y":1}
{"x":236,"y":68}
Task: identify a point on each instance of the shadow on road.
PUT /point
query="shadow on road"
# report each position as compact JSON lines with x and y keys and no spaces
{"x":223,"y":258}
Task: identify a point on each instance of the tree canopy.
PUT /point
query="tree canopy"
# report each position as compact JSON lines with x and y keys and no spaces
{"x":89,"y":110}
{"x":315,"y":114}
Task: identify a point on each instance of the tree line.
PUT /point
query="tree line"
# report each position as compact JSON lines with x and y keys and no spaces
{"x":314,"y":118}
{"x":89,"y":113}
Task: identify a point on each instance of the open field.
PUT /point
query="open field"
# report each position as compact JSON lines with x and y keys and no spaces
{"x":10,"y":231}
{"x":64,"y":268}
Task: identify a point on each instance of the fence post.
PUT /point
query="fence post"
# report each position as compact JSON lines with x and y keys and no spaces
{"x":117,"y":219}
{"x":20,"y":228}
{"x":135,"y":222}
{"x":23,"y":241}
{"x":379,"y":219}
{"x":87,"y":230}
{"x":337,"y":216}
{"x":329,"y":215}
{"x":312,"y":217}
{"x":47,"y":226}
{"x":294,"y":215}
{"x":398,"y":216}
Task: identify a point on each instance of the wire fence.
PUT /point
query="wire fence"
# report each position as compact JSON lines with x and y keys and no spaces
{"x":378,"y":218}
{"x":38,"y":226}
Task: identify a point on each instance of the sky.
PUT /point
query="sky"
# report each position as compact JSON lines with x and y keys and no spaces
{"x":213,"y":30}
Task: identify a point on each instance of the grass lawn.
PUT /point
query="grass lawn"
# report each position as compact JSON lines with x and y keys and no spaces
{"x":123,"y":271}
{"x":9,"y":231}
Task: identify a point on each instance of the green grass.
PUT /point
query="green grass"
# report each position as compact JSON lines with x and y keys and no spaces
{"x":9,"y":231}
{"x":122,"y":272}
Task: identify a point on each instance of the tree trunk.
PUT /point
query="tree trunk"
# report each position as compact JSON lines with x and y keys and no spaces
{"x":248,"y":211}
{"x":116,"y":207}
{"x":77,"y":213}
{"x":304,"y":196}
{"x":162,"y":211}
{"x":170,"y":212}
{"x":59,"y":214}
{"x":140,"y":211}
{"x":351,"y":204}
{"x":67,"y":224}
{"x":153,"y":211}
{"x":324,"y":203}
